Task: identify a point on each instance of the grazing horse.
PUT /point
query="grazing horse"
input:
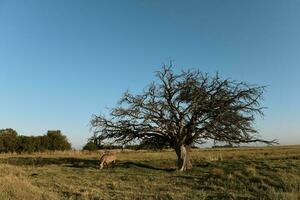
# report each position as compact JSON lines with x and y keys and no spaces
{"x":107,"y":158}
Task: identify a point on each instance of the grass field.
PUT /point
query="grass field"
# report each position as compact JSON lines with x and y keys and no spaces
{"x":244,"y":173}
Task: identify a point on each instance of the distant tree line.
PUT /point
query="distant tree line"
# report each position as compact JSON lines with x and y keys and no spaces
{"x":225,"y":146}
{"x":10,"y":141}
{"x":94,"y":143}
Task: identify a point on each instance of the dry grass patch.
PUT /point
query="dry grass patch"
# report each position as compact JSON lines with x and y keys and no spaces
{"x":251,"y":170}
{"x":15,"y":186}
{"x":217,"y":172}
{"x":244,"y":173}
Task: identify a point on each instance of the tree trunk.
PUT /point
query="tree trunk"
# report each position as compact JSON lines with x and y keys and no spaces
{"x":184,"y":161}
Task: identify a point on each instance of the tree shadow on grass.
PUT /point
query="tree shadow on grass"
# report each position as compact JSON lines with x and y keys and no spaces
{"x":42,"y":161}
{"x":129,"y":164}
{"x":75,"y":163}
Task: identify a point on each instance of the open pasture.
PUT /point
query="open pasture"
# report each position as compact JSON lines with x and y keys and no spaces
{"x":233,"y":173}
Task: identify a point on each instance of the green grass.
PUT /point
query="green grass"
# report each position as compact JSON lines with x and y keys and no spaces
{"x":245,"y":173}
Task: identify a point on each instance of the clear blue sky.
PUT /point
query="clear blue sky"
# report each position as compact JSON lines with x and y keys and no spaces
{"x":63,"y":60}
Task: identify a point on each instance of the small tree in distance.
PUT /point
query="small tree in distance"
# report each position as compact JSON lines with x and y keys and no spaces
{"x":8,"y":140}
{"x":184,"y":109}
{"x":93,"y":144}
{"x":57,"y":141}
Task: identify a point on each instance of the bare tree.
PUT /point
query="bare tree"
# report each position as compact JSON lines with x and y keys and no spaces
{"x":184,"y":109}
